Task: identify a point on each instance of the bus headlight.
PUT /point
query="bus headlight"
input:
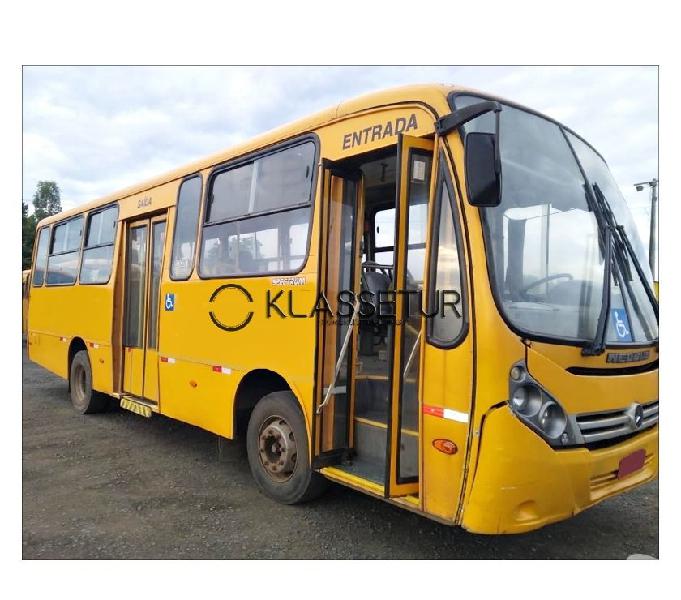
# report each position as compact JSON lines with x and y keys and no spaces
{"x":535,"y":407}
{"x":552,"y":419}
{"x":526,"y":400}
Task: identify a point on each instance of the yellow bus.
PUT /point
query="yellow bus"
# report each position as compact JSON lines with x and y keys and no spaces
{"x":429,"y":294}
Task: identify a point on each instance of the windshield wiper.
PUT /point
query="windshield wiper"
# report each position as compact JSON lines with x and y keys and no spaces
{"x":625,"y":247}
{"x":615,"y":238}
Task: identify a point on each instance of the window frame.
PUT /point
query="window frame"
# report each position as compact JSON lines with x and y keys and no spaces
{"x":50,"y":254}
{"x":444,"y":178}
{"x":402,"y":359}
{"x":197,"y":234}
{"x":243,"y":160}
{"x":83,"y":247}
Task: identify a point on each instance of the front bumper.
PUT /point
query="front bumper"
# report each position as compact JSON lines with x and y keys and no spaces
{"x":520,"y":483}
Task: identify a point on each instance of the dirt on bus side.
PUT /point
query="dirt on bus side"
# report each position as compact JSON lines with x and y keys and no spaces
{"x":117,"y":485}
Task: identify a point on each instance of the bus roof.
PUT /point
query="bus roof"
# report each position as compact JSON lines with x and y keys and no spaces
{"x":435,"y":95}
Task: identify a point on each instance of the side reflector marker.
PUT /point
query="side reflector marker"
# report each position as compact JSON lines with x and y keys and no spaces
{"x":445,"y":413}
{"x":445,"y":446}
{"x":221,"y":369}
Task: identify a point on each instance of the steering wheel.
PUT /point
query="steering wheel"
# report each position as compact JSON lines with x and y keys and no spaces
{"x":545,"y":280}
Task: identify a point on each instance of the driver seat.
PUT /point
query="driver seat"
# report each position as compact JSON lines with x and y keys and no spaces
{"x":373,"y":329}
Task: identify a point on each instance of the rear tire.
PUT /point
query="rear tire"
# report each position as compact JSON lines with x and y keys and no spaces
{"x":278,"y":451}
{"x":84,"y":399}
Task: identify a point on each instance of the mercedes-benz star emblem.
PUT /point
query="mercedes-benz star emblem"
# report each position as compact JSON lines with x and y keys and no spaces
{"x":636,"y":415}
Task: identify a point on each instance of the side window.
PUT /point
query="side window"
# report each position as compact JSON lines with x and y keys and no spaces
{"x":62,"y":265}
{"x":258,"y":215}
{"x":99,"y":246}
{"x":231,"y":194}
{"x":41,"y":257}
{"x":283,"y":179}
{"x":446,"y":293}
{"x":186,"y":222}
{"x":267,"y":244}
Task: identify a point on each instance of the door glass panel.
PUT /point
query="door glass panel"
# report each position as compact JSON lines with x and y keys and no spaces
{"x":135,"y":286}
{"x":158,"y":230}
{"x":417,"y":224}
{"x":339,"y":273}
{"x":343,"y":282}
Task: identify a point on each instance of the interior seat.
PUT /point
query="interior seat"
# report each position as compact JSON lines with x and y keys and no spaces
{"x":373,"y":329}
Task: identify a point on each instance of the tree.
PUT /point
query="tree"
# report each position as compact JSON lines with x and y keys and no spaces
{"x":46,"y":200}
{"x":28,"y":224}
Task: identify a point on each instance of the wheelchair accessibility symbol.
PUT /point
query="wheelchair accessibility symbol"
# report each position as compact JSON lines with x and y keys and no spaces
{"x":621,"y":323}
{"x":170,"y":301}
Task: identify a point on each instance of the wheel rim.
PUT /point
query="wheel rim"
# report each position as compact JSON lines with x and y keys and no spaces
{"x":277,"y":448}
{"x":79,"y":383}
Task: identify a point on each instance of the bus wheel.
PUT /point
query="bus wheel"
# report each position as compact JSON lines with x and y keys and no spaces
{"x":84,"y":399}
{"x":278,"y":451}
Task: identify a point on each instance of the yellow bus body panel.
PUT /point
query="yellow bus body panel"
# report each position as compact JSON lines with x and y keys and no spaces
{"x":199,"y":384}
{"x":58,"y":314}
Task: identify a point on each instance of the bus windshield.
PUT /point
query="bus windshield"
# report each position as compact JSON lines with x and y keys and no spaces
{"x":546,"y":247}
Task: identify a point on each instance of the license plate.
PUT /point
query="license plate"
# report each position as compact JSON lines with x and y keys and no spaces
{"x":631,"y":463}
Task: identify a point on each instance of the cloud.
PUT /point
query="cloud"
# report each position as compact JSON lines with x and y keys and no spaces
{"x":97,"y":129}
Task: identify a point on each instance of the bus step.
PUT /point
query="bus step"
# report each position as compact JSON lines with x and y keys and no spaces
{"x":139,"y":407}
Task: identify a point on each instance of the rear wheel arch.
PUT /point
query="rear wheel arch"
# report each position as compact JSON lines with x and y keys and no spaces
{"x":83,"y":397}
{"x":77,"y":344}
{"x":252,"y":387}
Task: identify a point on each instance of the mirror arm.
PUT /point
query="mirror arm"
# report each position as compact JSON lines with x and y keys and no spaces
{"x":460,"y":117}
{"x":497,"y":145}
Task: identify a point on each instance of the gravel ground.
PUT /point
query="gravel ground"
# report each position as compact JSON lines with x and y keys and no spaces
{"x":120,"y":486}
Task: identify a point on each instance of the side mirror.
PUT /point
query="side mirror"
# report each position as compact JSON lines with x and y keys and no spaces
{"x":483,"y":175}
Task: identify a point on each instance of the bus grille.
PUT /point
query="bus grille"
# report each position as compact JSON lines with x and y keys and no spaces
{"x":610,"y":425}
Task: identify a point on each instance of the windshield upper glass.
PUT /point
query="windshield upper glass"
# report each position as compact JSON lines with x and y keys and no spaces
{"x":545,"y":250}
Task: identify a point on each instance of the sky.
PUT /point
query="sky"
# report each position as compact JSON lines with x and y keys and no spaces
{"x":95,"y":130}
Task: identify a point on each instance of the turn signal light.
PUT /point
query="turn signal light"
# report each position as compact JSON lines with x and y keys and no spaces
{"x":445,"y":446}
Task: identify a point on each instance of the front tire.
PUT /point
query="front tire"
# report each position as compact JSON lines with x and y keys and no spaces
{"x":278,"y":451}
{"x":84,"y":399}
